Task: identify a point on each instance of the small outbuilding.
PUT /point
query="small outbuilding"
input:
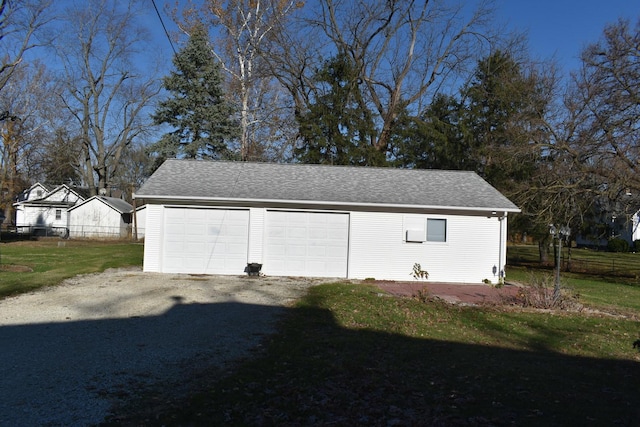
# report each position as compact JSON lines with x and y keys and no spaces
{"x":214,"y":217}
{"x":100,"y":217}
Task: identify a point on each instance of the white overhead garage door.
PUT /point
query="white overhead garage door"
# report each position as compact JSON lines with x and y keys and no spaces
{"x":205,"y":241}
{"x":312,"y":244}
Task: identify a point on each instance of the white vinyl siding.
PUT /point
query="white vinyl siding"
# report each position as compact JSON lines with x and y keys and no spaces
{"x":311,"y":244}
{"x":154,"y":231}
{"x":96,"y":219}
{"x":256,"y":235}
{"x":356,"y":244}
{"x":41,"y":217}
{"x":378,"y":248}
{"x":140,"y":221}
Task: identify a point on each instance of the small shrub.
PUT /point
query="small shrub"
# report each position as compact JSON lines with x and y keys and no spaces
{"x":423,"y":295}
{"x":540,"y":293}
{"x":636,"y":245}
{"x":498,"y":285}
{"x":418,"y":273}
{"x":618,"y":245}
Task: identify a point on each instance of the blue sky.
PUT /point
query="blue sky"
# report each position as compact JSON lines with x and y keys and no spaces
{"x":562,"y":28}
{"x":556,"y":28}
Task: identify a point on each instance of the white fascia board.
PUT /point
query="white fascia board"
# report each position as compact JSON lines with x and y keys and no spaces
{"x":46,"y":204}
{"x":492,"y":211}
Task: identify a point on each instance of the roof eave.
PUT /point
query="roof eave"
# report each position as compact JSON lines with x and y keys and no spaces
{"x":44,"y":203}
{"x":494,"y":211}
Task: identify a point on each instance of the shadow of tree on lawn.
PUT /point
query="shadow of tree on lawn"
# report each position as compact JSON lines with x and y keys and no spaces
{"x":316,"y":372}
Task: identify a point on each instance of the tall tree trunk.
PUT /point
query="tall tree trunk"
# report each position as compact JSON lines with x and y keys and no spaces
{"x":543,"y":250}
{"x":10,"y":169}
{"x":244,"y":124}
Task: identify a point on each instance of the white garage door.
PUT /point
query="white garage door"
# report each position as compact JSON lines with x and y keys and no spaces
{"x":205,"y":241}
{"x":306,"y":244}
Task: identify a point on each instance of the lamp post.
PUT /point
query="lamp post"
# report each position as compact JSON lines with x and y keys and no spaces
{"x":558,"y":233}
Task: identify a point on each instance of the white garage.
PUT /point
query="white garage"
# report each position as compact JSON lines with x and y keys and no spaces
{"x":205,"y":241}
{"x":215,"y":217}
{"x":306,"y":244}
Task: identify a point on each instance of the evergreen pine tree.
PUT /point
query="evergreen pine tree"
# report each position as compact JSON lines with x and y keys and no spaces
{"x":338,"y":128}
{"x":198,"y":111}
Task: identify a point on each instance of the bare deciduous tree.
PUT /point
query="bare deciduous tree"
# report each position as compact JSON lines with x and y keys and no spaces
{"x":242,"y":30}
{"x":405,"y":51}
{"x":25,"y":130}
{"x":21,"y":23}
{"x":589,"y":140}
{"x":105,"y":92}
{"x":608,"y":86}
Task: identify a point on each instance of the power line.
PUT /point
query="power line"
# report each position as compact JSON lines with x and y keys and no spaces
{"x":163,"y":26}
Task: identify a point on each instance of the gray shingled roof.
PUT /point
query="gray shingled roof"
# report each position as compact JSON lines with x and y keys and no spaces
{"x":343,"y":185}
{"x":119,"y":205}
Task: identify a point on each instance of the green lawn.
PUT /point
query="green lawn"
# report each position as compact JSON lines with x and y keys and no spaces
{"x":625,"y":266}
{"x":25,"y":266}
{"x":348,"y":354}
{"x":351,"y":355}
{"x":617,"y":291}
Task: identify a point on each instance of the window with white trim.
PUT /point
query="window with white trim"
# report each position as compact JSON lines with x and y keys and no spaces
{"x":420,"y":229}
{"x":436,"y":230}
{"x":58,"y":214}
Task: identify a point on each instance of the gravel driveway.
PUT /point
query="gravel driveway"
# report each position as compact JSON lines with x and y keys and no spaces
{"x":69,"y":352}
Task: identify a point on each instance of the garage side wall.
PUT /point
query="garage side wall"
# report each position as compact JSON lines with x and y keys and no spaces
{"x":379,"y":245}
{"x":140,"y":221}
{"x":153,"y":238}
{"x":385,"y":246}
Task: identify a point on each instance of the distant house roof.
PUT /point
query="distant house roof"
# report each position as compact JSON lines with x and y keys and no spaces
{"x":197,"y":180}
{"x":49,"y":199}
{"x":26,"y":194}
{"x":118,"y":205}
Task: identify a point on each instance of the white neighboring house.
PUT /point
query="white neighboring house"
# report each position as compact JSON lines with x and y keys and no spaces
{"x":211,"y":217}
{"x":100,"y":216}
{"x":40,"y":211}
{"x":624,"y":226}
{"x":635,"y":229}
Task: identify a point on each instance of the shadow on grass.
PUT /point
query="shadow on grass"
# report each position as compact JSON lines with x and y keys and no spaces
{"x":314,"y":372}
{"x":318,"y":373}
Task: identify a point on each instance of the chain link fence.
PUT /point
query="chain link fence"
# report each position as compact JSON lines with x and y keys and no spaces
{"x":28,"y":232}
